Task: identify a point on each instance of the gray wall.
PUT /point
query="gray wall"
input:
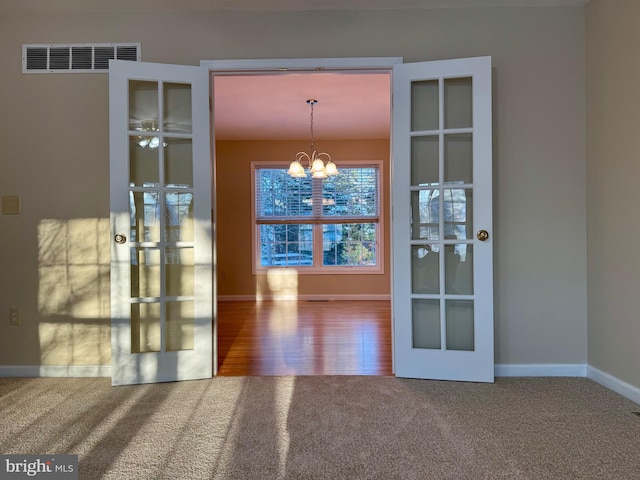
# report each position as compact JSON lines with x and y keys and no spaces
{"x":54,"y":154}
{"x":613,"y":176}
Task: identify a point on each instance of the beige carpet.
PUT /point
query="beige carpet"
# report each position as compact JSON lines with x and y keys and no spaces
{"x":326,"y":428}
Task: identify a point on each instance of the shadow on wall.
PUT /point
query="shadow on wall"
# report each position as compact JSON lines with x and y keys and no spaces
{"x":74,"y":292}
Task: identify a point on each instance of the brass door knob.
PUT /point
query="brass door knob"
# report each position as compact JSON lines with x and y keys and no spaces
{"x":120,"y":238}
{"x":482,"y":235}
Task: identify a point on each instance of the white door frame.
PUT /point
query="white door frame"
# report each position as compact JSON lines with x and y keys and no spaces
{"x":262,"y":66}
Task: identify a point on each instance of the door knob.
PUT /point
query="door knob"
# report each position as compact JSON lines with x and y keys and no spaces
{"x":120,"y":238}
{"x":482,"y":235}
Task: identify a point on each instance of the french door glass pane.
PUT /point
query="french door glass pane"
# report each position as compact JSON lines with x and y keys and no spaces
{"x":458,"y":266}
{"x":179,"y":326}
{"x":144,"y":111}
{"x":425,"y":269}
{"x":458,"y":111}
{"x":177,"y":107}
{"x":145,"y":327}
{"x":460,"y":329}
{"x":425,"y":155}
{"x":458,"y":214}
{"x":425,"y":101}
{"x":426,"y":324}
{"x":145,"y":216}
{"x":178,"y":163}
{"x":458,"y":154}
{"x":145,"y":272}
{"x":144,"y":167}
{"x":179,"y":217}
{"x":179,"y":271}
{"x":425,"y":215}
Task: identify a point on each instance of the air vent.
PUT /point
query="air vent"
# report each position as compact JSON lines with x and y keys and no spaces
{"x":76,"y":57}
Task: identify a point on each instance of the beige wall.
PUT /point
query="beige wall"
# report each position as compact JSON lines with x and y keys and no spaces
{"x":613,"y":176}
{"x":233,"y":171}
{"x":54,"y":154}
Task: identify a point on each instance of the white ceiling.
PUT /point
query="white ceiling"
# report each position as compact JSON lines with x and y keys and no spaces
{"x":274,"y":107}
{"x":79,"y":6}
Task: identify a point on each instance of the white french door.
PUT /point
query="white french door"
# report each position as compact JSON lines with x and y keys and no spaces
{"x":161,"y":223}
{"x":442,"y":220}
{"x":161,"y":271}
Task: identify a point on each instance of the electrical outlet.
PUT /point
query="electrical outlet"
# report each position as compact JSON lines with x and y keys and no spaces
{"x":14,"y":316}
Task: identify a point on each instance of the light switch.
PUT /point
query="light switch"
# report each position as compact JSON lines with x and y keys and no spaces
{"x":11,"y":205}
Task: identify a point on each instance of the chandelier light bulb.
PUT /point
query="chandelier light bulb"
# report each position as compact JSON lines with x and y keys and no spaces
{"x":331,"y":168}
{"x":296,"y":169}
{"x":317,"y":165}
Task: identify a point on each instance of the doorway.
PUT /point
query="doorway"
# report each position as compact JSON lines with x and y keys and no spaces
{"x":339,"y":323}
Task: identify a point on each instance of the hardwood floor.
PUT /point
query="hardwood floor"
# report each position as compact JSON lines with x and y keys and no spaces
{"x":304,"y":338}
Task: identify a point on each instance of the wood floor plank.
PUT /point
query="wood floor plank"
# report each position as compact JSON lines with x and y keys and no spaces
{"x":304,"y":338}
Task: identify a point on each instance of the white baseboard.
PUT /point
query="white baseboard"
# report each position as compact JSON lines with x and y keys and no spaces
{"x":236,"y":298}
{"x":541,"y":370}
{"x":55,"y":371}
{"x":504,"y":370}
{"x":500,"y":371}
{"x":307,"y":298}
{"x":613,"y":383}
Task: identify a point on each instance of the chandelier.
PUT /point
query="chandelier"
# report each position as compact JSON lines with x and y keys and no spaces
{"x":316,"y":165}
{"x":146,"y":141}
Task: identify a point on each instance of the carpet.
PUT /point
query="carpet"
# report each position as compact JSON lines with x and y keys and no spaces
{"x":325,"y":427}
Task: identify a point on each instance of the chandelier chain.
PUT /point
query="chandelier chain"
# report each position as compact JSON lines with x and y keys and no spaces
{"x":312,"y":102}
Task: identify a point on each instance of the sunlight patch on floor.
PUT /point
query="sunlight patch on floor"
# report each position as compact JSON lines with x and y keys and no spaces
{"x":284,"y":393}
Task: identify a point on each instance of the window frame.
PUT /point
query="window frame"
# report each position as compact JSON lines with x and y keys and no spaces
{"x":317,"y":268}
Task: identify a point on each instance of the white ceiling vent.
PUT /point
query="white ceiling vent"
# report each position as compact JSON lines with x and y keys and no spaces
{"x":76,"y":57}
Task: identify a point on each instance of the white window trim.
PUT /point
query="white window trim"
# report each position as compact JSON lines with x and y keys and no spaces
{"x":314,"y":270}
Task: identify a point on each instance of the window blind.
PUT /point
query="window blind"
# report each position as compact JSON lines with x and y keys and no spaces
{"x":352,"y":196}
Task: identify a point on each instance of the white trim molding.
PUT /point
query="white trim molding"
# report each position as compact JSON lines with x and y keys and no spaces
{"x":302,"y":64}
{"x":55,"y":371}
{"x":613,"y":383}
{"x":541,"y":370}
{"x":502,"y":370}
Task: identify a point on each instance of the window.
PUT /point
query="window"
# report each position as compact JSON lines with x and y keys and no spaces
{"x":327,"y":225}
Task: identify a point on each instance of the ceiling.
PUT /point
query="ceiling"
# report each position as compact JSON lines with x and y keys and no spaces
{"x":274,"y":107}
{"x":21,"y":7}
